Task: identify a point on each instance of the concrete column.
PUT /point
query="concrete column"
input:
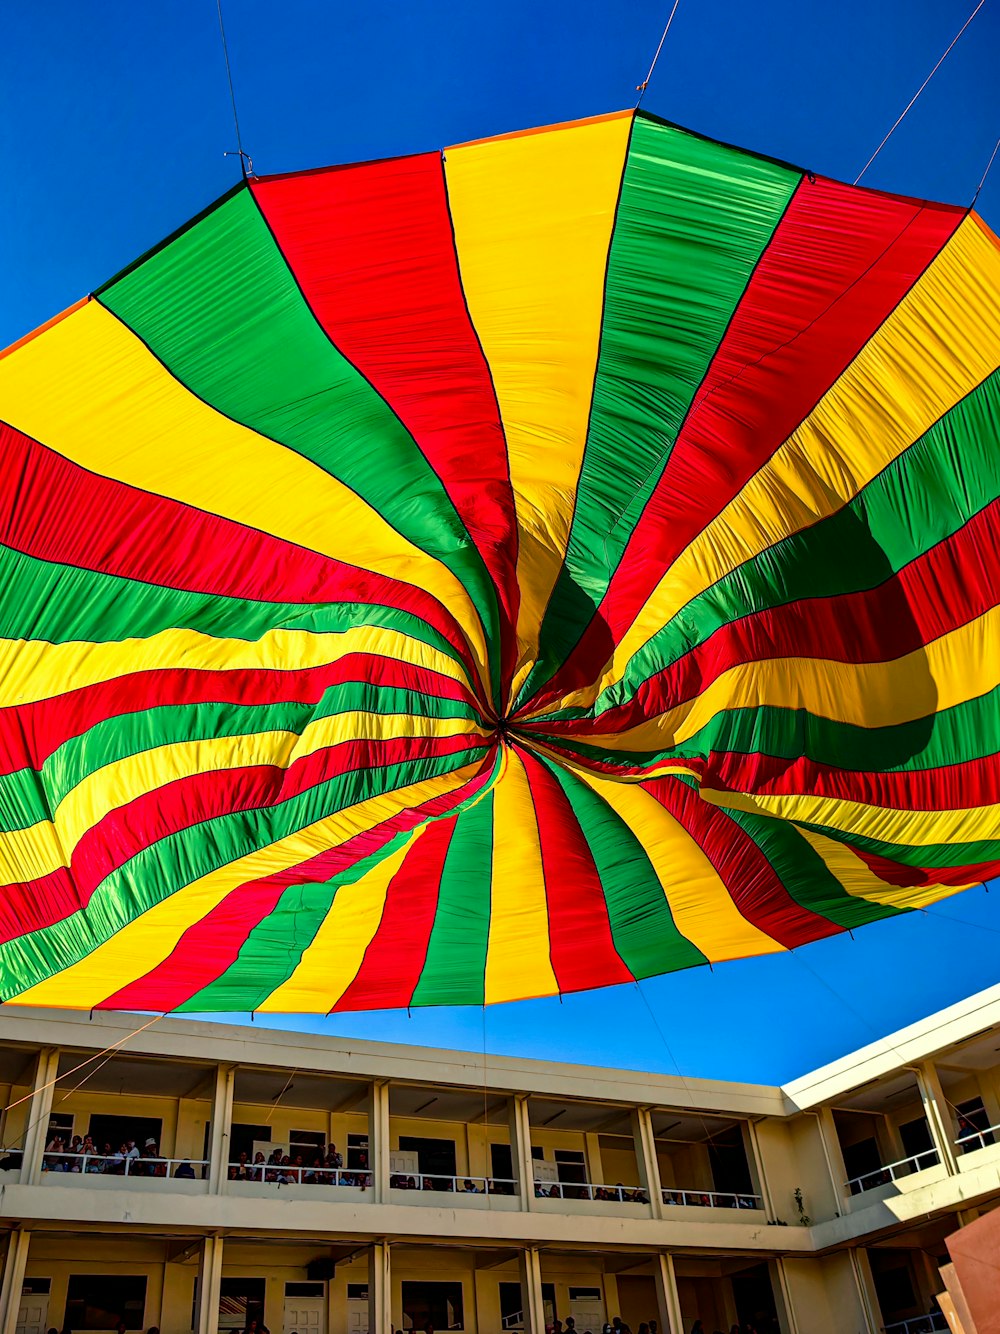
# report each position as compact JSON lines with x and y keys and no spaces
{"x":938,"y":1116}
{"x":668,"y":1302}
{"x":532,"y":1304}
{"x":865,"y":1286}
{"x":206,"y":1316}
{"x":379,"y":1288}
{"x":783,"y":1297}
{"x":592,"y":1158}
{"x":39,"y":1110}
{"x":378,"y":1140}
{"x":222,"y":1120}
{"x":520,"y":1152}
{"x":757,"y":1163}
{"x":645,"y":1155}
{"x":834,"y":1157}
{"x":15,"y":1262}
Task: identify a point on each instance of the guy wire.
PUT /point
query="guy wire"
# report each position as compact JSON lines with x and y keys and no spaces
{"x":899,"y":119}
{"x":641,"y":87}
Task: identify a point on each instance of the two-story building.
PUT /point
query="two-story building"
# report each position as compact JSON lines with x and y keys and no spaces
{"x":199,"y":1176}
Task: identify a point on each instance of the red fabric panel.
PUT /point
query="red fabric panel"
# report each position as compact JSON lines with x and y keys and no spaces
{"x":145,"y":536}
{"x":894,"y":873}
{"x":581,"y":946}
{"x":972,"y":783}
{"x":839,"y":262}
{"x":751,"y":880}
{"x":938,"y":592}
{"x":395,"y":957}
{"x":208,"y":948}
{"x":184,"y":803}
{"x":373,"y":251}
{"x":29,"y":733}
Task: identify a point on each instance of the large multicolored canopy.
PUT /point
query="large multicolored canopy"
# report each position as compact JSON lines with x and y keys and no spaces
{"x":479,"y":575}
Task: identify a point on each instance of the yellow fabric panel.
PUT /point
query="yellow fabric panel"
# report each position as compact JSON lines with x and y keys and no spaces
{"x":858,"y":879}
{"x":33,"y":669}
{"x":146,"y":942}
{"x":533,"y":216}
{"x":959,"y":666}
{"x":517,"y":954}
{"x":43,"y":847}
{"x":330,"y":963}
{"x":90,"y":389}
{"x":916,"y":829}
{"x":941,"y":341}
{"x":702,"y":908}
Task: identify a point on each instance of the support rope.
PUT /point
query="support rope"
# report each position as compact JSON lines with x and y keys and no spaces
{"x":996,"y":149}
{"x":640,"y":88}
{"x":246,"y":163}
{"x":902,"y":115}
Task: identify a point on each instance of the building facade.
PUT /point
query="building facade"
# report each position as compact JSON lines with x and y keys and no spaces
{"x":195,"y":1176}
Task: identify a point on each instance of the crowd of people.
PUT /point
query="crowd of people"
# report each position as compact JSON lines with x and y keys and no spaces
{"x":562,"y":1190}
{"x":324,"y":1168}
{"x":81,"y":1154}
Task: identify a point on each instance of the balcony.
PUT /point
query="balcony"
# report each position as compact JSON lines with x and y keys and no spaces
{"x":95,"y":1171}
{"x":891,"y":1172}
{"x":921,"y":1324}
{"x":711,"y":1199}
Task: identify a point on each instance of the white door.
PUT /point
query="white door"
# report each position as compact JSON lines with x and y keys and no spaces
{"x":33,"y":1313}
{"x":357,"y":1315}
{"x":304,"y":1315}
{"x":586,"y":1308}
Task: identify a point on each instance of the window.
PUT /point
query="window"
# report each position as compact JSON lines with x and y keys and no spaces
{"x":512,"y":1305}
{"x":728,"y":1158}
{"x":60,"y":1123}
{"x":973,"y":1125}
{"x":104,"y":1301}
{"x":118,"y":1130}
{"x":240,"y":1301}
{"x":241,"y":1139}
{"x":357,"y":1292}
{"x":585,"y":1294}
{"x":537,"y":1152}
{"x":301,"y":1290}
{"x":571,"y":1166}
{"x":440,"y":1303}
{"x":357,"y":1152}
{"x":36,"y":1287}
{"x":917,"y":1143}
{"x":863,"y":1160}
{"x":306,"y":1144}
{"x":501,"y":1162}
{"x":436,"y":1158}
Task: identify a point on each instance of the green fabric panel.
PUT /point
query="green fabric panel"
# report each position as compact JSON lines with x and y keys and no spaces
{"x":642,"y":925}
{"x":220,"y":308}
{"x":891,"y":522}
{"x":939,"y":856}
{"x":454,"y":971}
{"x":61,"y":603}
{"x":803,"y":871}
{"x":274,"y":947}
{"x":165,"y":866}
{"x":26,"y":797}
{"x":966,"y":731}
{"x":693,"y":219}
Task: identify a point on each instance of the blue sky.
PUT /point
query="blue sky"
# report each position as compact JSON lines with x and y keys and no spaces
{"x":113,"y":122}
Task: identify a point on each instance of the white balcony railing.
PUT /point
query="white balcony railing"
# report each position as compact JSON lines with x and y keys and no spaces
{"x":712,"y":1199}
{"x":295,"y":1174}
{"x":460,"y":1185}
{"x":586,"y":1190}
{"x":882,"y":1176}
{"x":978,"y":1139}
{"x":101,"y":1164}
{"x":920,"y":1324}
